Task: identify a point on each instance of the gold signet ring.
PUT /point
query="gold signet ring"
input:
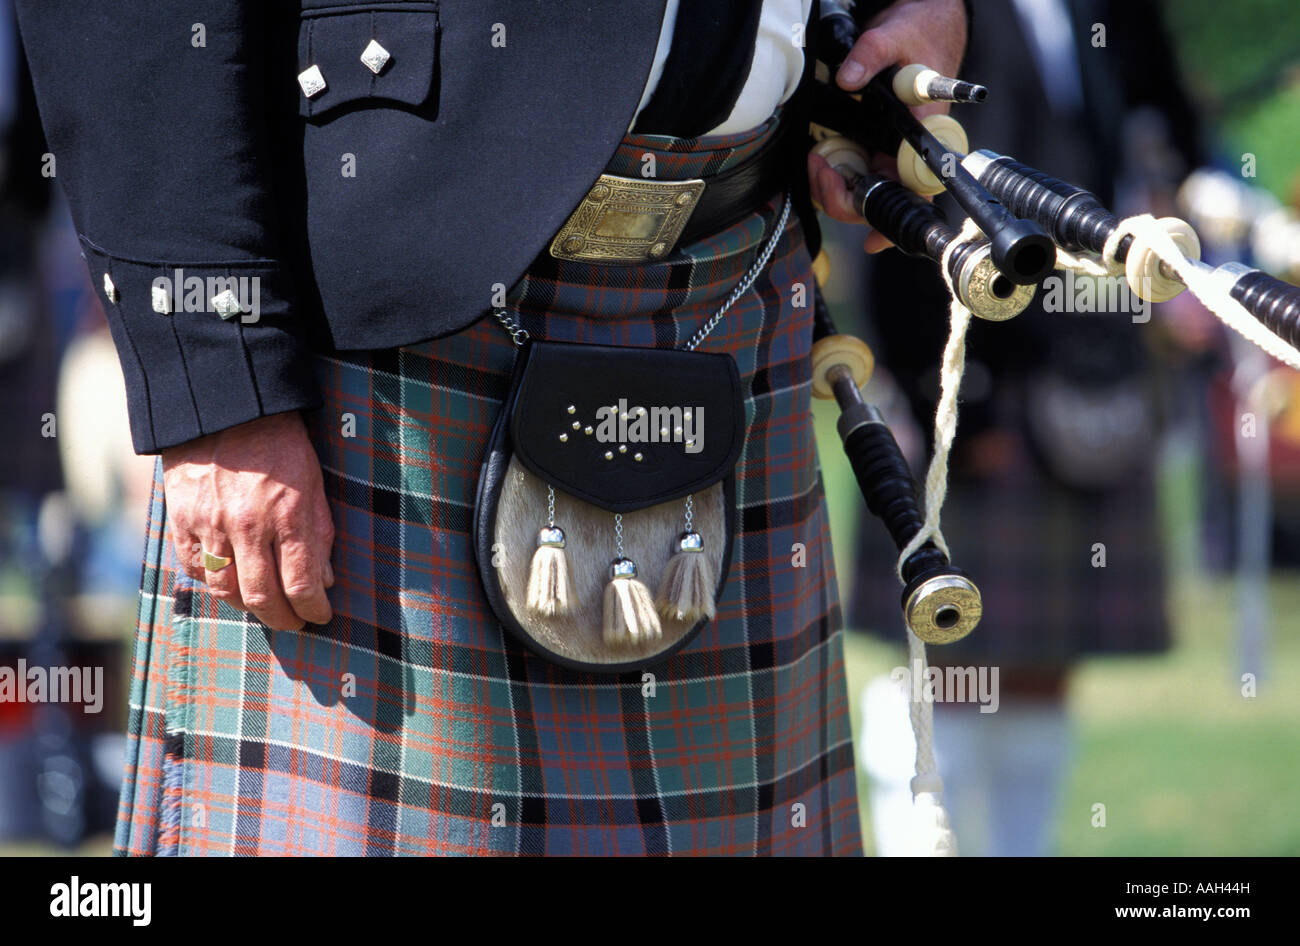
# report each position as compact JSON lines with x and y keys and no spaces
{"x":214,"y":563}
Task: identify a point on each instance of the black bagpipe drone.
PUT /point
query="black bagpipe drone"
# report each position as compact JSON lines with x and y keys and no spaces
{"x":1022,"y":223}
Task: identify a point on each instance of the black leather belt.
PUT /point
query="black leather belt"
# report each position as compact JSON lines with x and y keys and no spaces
{"x":626,"y":220}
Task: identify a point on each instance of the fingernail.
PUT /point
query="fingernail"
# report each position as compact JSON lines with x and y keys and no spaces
{"x":329,"y":576}
{"x":851,"y":72}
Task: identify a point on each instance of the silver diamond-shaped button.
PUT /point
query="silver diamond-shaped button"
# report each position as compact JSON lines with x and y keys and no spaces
{"x":110,"y":290}
{"x":226,"y":305}
{"x":375,"y":57}
{"x":162,"y":300}
{"x":312,"y":81}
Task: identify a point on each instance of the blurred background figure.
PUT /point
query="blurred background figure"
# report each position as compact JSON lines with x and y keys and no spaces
{"x":1052,"y":499}
{"x":71,"y":493}
{"x":29,"y":467}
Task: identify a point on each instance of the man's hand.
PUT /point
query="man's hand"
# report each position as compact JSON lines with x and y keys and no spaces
{"x":932,"y":32}
{"x":254,"y":494}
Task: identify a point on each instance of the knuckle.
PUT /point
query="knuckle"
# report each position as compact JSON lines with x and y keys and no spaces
{"x":299,"y":590}
{"x":202,"y":517}
{"x":872,"y":45}
{"x":869,"y":42}
{"x":224,"y":580}
{"x":257,"y":600}
{"x":226,"y":595}
{"x":246,"y":520}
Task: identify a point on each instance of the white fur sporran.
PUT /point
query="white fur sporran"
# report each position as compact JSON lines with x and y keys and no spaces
{"x":607,"y":554}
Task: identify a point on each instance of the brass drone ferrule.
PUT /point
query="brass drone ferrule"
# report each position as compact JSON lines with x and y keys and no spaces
{"x":984,"y":290}
{"x":943,"y":609}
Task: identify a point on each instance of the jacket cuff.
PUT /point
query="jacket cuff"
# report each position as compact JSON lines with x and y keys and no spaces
{"x":203,"y":346}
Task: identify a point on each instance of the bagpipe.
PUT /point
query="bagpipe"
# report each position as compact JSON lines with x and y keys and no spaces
{"x":1021,"y":224}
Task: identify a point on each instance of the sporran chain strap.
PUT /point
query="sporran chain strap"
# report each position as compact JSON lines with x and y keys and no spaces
{"x":746,"y":281}
{"x":518,"y":334}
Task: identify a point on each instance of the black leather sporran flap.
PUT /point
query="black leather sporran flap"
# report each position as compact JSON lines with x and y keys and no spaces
{"x":627,"y":428}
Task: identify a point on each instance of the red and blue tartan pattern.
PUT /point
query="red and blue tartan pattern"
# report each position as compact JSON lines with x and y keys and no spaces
{"x":411,"y":724}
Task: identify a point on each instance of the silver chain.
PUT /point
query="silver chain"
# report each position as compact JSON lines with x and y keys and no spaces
{"x":746,"y":281}
{"x":618,"y":532}
{"x":550,"y":504}
{"x":519,"y":335}
{"x":690,"y":512}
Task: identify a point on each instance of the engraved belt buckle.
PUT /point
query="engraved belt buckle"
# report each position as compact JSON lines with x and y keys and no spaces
{"x":627,"y":220}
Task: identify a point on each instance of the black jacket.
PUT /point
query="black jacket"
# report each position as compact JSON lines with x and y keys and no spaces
{"x":183,"y":140}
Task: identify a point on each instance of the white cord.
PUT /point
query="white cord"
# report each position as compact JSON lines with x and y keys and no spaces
{"x":1086,"y":265}
{"x":927,"y":786}
{"x":1213,"y":293}
{"x":945,"y":414}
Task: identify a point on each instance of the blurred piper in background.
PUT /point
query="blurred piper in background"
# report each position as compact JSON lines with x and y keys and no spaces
{"x":1052,"y":490}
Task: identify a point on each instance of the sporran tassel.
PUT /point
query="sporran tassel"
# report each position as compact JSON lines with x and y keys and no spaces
{"x":686,"y":591}
{"x":550,"y":584}
{"x":630,"y":616}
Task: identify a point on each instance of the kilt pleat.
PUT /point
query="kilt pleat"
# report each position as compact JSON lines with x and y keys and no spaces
{"x":411,"y":723}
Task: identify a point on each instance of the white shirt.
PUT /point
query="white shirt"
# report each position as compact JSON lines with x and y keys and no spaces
{"x":773,"y":75}
{"x":1046,"y":24}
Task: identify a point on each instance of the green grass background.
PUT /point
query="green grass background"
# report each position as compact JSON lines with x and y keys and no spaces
{"x":1241,"y":61}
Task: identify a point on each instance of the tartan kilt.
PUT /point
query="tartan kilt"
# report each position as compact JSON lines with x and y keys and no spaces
{"x":411,"y":724}
{"x":1028,"y":542}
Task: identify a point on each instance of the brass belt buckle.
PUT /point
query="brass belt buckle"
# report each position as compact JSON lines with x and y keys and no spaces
{"x":627,"y":220}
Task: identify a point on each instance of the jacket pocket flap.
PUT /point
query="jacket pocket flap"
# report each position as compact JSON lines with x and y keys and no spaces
{"x":382,"y":54}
